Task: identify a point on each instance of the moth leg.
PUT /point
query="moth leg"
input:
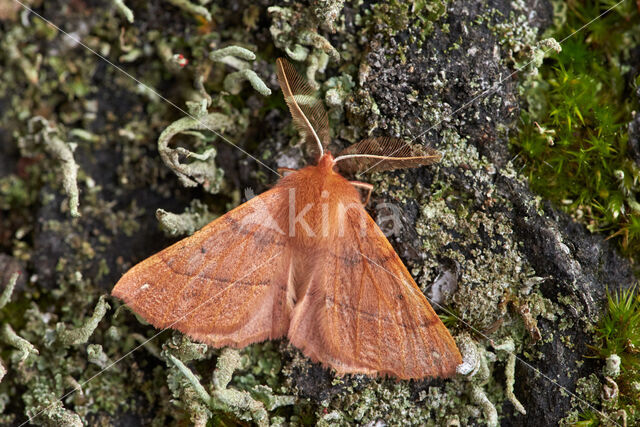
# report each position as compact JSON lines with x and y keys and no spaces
{"x":285,"y":171}
{"x":364,"y":186}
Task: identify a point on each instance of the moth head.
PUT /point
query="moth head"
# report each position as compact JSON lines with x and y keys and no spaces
{"x":368,"y":155}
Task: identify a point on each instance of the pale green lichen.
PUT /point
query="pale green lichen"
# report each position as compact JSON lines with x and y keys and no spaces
{"x":297,"y":34}
{"x":248,"y":406}
{"x":11,"y":45}
{"x":509,"y":372}
{"x":519,"y":41}
{"x":202,"y":169}
{"x":81,"y":334}
{"x":476,"y":368}
{"x":97,"y":356}
{"x":233,"y":82}
{"x":47,"y":136}
{"x":327,"y":12}
{"x":479,"y":396}
{"x":195,"y":217}
{"x":24,"y":347}
{"x":337,"y":90}
{"x":5,"y":297}
{"x":237,"y":57}
{"x":189,"y":7}
{"x":124,"y":10}
{"x":612,"y":366}
{"x":56,"y":415}
{"x":166,"y":53}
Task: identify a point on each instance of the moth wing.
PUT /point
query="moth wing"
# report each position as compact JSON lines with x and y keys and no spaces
{"x":363,"y":312}
{"x":226,"y":284}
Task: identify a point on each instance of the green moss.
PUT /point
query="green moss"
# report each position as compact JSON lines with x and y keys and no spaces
{"x":617,"y":340}
{"x":573,"y":134}
{"x":618,"y":334}
{"x":619,"y":330}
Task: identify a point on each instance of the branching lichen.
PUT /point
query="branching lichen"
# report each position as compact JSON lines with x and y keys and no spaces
{"x":236,"y":57}
{"x":476,"y":368}
{"x":11,"y":45}
{"x":509,"y":372}
{"x":327,"y":12}
{"x":195,"y":9}
{"x":81,"y":334}
{"x":195,"y":217}
{"x":202,"y":169}
{"x":5,"y":297}
{"x":24,"y":347}
{"x":296,"y":33}
{"x":124,"y":10}
{"x":46,"y":136}
{"x":229,"y":400}
{"x":233,"y":82}
{"x":56,"y":415}
{"x":97,"y":356}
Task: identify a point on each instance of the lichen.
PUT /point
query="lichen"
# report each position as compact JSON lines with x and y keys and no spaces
{"x":190,"y":7}
{"x":237,"y":57}
{"x":124,"y":10}
{"x":24,"y":347}
{"x":296,"y":31}
{"x":202,"y":169}
{"x":244,"y":405}
{"x":195,"y":217}
{"x":80,"y":335}
{"x":5,"y":297}
{"x":47,"y":137}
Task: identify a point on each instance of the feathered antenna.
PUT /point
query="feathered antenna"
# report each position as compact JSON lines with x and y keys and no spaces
{"x":384,"y":153}
{"x":307,"y":111}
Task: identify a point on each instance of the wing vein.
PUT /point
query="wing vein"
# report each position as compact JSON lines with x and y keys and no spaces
{"x":357,"y":346}
{"x":335,"y":305}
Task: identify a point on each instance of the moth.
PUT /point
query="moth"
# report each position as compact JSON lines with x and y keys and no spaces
{"x":303,"y":260}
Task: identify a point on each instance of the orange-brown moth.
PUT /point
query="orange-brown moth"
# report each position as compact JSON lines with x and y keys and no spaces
{"x":302,"y":260}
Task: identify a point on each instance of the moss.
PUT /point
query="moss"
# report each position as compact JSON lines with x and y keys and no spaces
{"x":573,"y":134}
{"x":614,"y":396}
{"x":617,"y":339}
